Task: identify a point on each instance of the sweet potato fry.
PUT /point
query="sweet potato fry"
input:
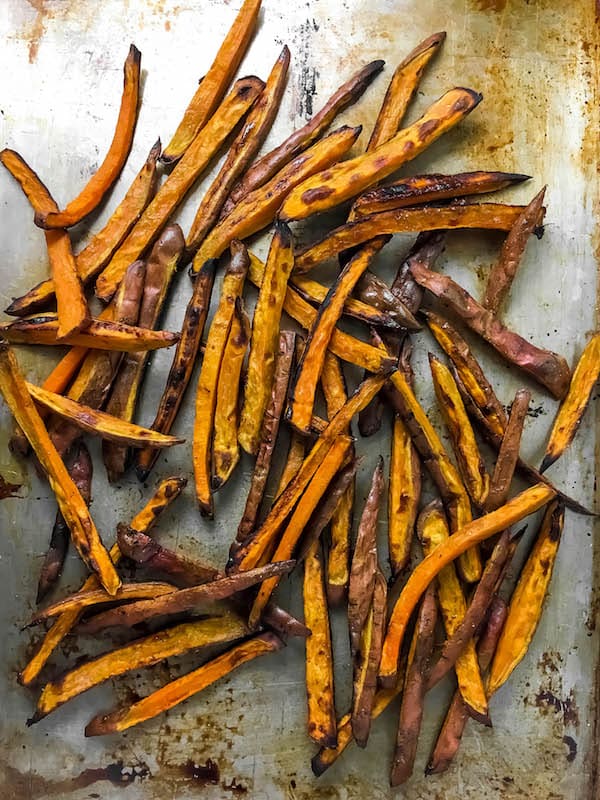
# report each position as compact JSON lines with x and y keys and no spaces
{"x":469,"y":460}
{"x":474,"y":532}
{"x":364,"y":561}
{"x":457,"y":717}
{"x":433,"y":531}
{"x":488,"y":216}
{"x":411,"y":710}
{"x":70,"y":502}
{"x":79,"y":467}
{"x":214,"y":84}
{"x":431,"y":188}
{"x":225,"y":443}
{"x":329,"y":188}
{"x":403,"y":496}
{"x":372,"y":290}
{"x":184,"y":359}
{"x":180,"y":181}
{"x":322,"y":726}
{"x":263,"y":343}
{"x":504,"y":270}
{"x":295,"y":457}
{"x":547,"y":368}
{"x":241,"y":153}
{"x":573,"y":408}
{"x":137,"y":654}
{"x":180,"y":689}
{"x":268,"y":165}
{"x":107,"y":173}
{"x":73,"y":312}
{"x":259,"y":208}
{"x":206,"y":393}
{"x":508,"y":453}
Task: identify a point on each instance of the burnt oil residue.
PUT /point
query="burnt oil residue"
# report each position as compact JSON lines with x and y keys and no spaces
{"x":545,"y":699}
{"x":307,"y":73}
{"x":8,"y":489}
{"x":572,"y":748}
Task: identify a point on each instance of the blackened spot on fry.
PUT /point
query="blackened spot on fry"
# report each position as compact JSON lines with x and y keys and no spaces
{"x":316,"y":194}
{"x":427,"y":128}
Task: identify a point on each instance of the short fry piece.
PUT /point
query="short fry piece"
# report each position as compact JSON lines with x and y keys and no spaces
{"x":570,"y":413}
{"x":403,"y":497}
{"x":322,"y":726}
{"x":180,"y":689}
{"x":508,"y":454}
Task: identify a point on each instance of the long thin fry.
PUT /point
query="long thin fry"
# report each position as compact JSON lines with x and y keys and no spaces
{"x":295,"y":457}
{"x":508,"y":454}
{"x":403,"y":496}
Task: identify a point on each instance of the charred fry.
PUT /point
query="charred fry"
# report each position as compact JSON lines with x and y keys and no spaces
{"x":375,"y":292}
{"x":403,"y":496}
{"x":509,"y":451}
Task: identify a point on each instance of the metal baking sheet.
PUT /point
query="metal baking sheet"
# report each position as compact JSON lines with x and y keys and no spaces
{"x":536,"y":63}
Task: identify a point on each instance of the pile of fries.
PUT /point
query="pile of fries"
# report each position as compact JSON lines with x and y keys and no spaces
{"x":257,"y":375}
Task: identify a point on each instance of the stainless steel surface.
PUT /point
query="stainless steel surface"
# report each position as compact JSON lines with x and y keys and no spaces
{"x":536,"y":64}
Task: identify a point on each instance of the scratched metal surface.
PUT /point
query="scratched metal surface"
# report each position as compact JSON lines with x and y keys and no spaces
{"x":535,"y":63}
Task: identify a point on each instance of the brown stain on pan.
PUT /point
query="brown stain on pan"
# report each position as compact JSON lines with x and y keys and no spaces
{"x":45,"y":12}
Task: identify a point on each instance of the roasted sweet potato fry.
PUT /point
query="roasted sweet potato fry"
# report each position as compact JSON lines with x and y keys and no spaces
{"x":184,"y":359}
{"x":107,"y":173}
{"x":70,"y":502}
{"x":508,"y":454}
{"x":474,"y":532}
{"x":322,"y":726}
{"x":259,"y":208}
{"x":504,"y":270}
{"x":241,"y":153}
{"x":547,"y":368}
{"x":265,"y":167}
{"x":403,"y":496}
{"x":173,"y":191}
{"x":470,"y":463}
{"x":295,"y":457}
{"x":329,"y":188}
{"x":364,"y":561}
{"x":214,"y":84}
{"x":206,"y":393}
{"x":571,"y":412}
{"x":489,"y":216}
{"x":433,"y":532}
{"x":375,"y":292}
{"x":431,"y":188}
{"x":180,"y":689}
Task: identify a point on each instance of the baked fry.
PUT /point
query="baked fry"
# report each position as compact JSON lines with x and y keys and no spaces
{"x":180,"y":689}
{"x":214,"y":84}
{"x":508,"y":454}
{"x":180,"y":181}
{"x":403,"y":496}
{"x":263,"y":342}
{"x":295,"y":457}
{"x":258,"y":208}
{"x":330,"y":188}
{"x":573,"y":408}
{"x":70,"y":502}
{"x":504,"y":270}
{"x":322,"y":726}
{"x":372,"y":290}
{"x":474,"y":532}
{"x":182,"y":365}
{"x":469,"y":460}
{"x":206,"y":393}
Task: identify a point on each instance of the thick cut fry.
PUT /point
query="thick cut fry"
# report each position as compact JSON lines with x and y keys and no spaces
{"x":411,"y":710}
{"x":70,"y":502}
{"x":180,"y":689}
{"x":241,"y":153}
{"x":403,"y":496}
{"x":214,"y":84}
{"x":335,"y":457}
{"x":504,"y":270}
{"x":137,"y":654}
{"x":98,"y":251}
{"x":508,"y":454}
{"x":431,"y":188}
{"x":322,"y":726}
{"x":571,"y":412}
{"x":329,"y":188}
{"x":476,"y":531}
{"x":206,"y":393}
{"x":259,"y":208}
{"x":268,"y":165}
{"x":179,"y":182}
{"x":528,"y":598}
{"x":107,"y":173}
{"x":263,"y":344}
{"x":225,"y":444}
{"x":488,"y":216}
{"x":469,"y":460}
{"x":73,"y":312}
{"x":184,"y":359}
{"x":547,"y":368}
{"x":433,"y":531}
{"x":295,"y":457}
{"x":364,"y":561}
{"x":309,"y":370}
{"x":375,"y":292}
